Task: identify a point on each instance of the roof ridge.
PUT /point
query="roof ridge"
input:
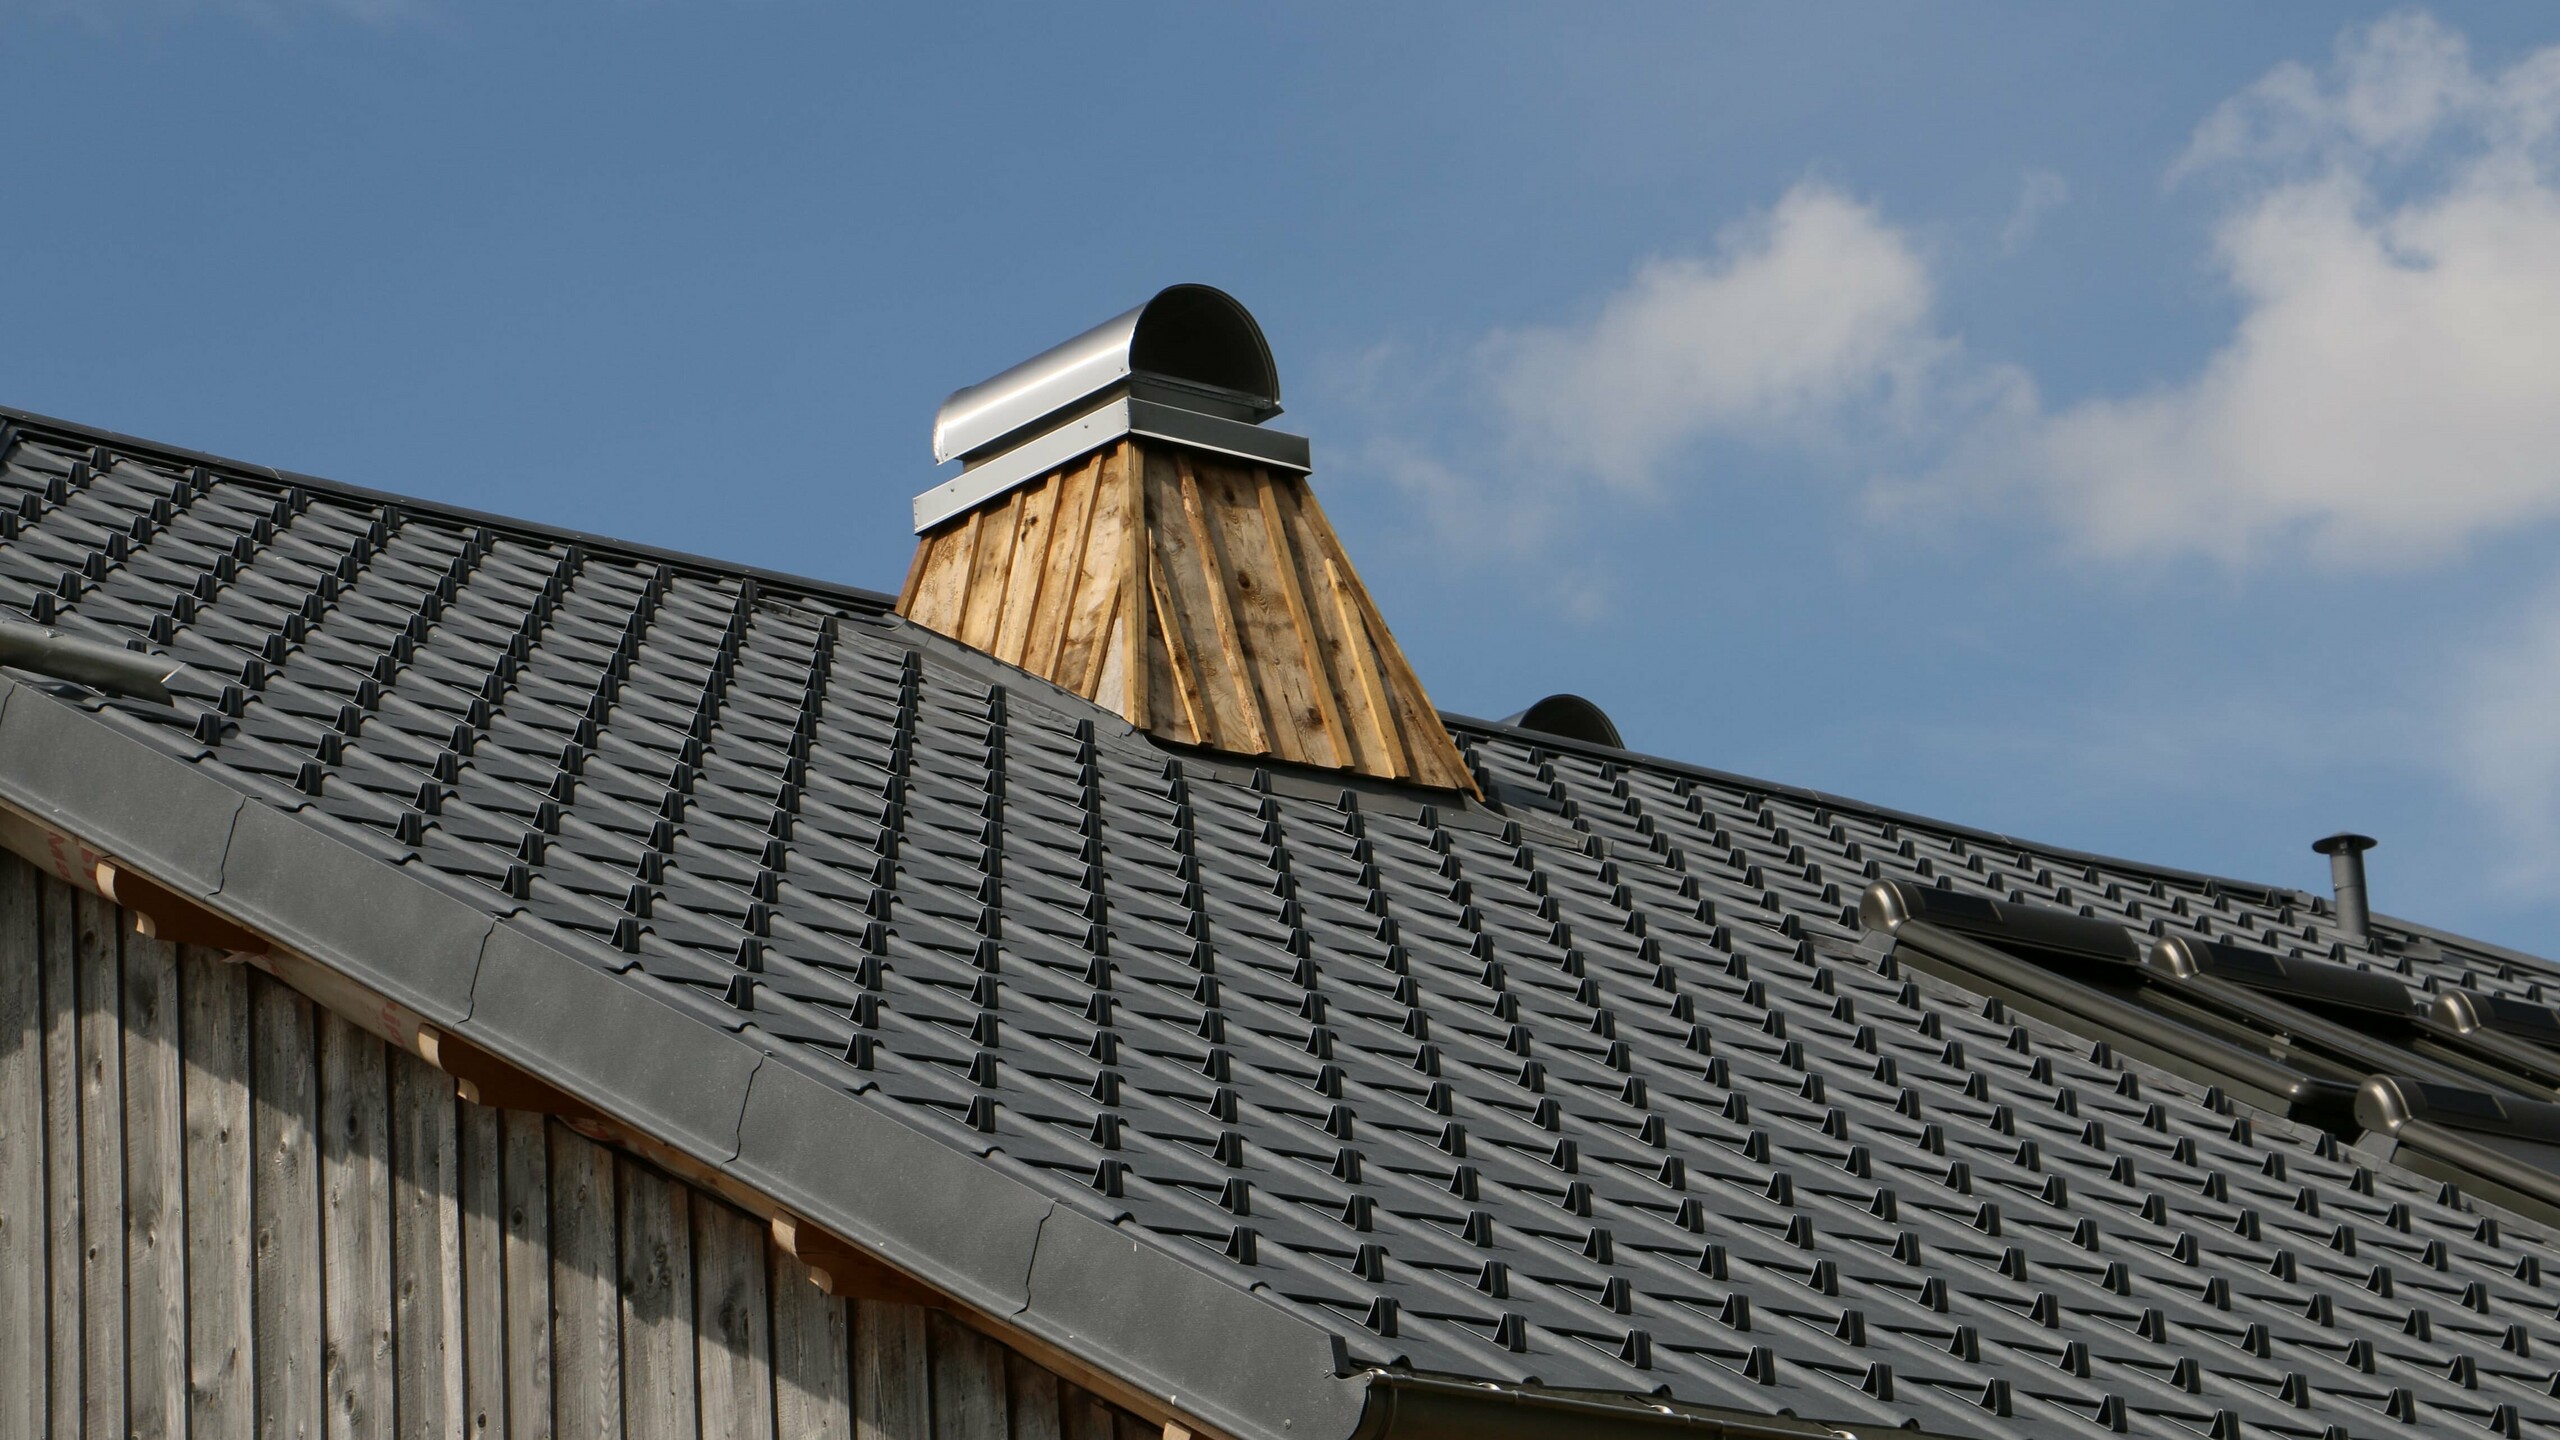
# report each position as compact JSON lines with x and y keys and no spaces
{"x":855,"y":596}
{"x":2245,"y":889}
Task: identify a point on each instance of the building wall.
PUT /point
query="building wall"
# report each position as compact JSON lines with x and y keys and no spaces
{"x":227,"y":1212}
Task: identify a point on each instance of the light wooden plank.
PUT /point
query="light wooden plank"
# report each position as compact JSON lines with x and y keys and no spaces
{"x":1032,"y":536}
{"x":1111,"y":689}
{"x":355,"y":1228}
{"x":733,"y":1340}
{"x":451,"y":1298}
{"x":525,"y":1208}
{"x":1270,"y":641}
{"x":1069,"y":525}
{"x":101,"y":1038}
{"x":915,"y":576}
{"x":657,"y":1305}
{"x":155,"y":1170}
{"x":1227,"y":690}
{"x":60,"y":922}
{"x":1137,"y":598}
{"x":1311,"y":648}
{"x":586,"y":1323}
{"x":1031,"y":1400}
{"x":968,"y":1382}
{"x":1082,"y":1415}
{"x":812,"y":1355}
{"x":944,"y":586}
{"x":481,"y":1201}
{"x":1435,"y":757}
{"x":1096,"y":603}
{"x":1181,"y":674}
{"x":23,"y":1321}
{"x":222,"y":1396}
{"x":891,"y":1379}
{"x":284,"y":1093}
{"x":1387,"y":755}
{"x":425,"y":1310}
{"x":1340,"y":637}
{"x":997,"y":526}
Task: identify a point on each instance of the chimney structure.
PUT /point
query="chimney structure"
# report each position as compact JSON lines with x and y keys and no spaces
{"x":1125,"y":526}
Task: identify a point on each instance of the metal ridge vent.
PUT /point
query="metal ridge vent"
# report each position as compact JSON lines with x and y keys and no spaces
{"x":1190,"y":365}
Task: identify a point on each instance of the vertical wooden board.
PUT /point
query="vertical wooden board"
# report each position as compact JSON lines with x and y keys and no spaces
{"x":1272,"y":655}
{"x":1095,"y":601}
{"x":968,"y":1382}
{"x":891,"y":1395}
{"x":525,"y":1211}
{"x":23,"y":1323}
{"x":1177,"y":672}
{"x":1434,"y":755}
{"x":989,"y":568}
{"x":101,"y":1039}
{"x":425,"y":1310}
{"x":59,"y":924}
{"x":1070,"y":521}
{"x":1081,"y":1416}
{"x":586,"y":1310}
{"x":284,"y":1188}
{"x":1137,"y":599}
{"x":1032,"y":534}
{"x":812,"y":1355}
{"x":213,"y":1027}
{"x":355,"y":1227}
{"x":657,"y":1305}
{"x":1031,"y":1400}
{"x":1368,"y":715}
{"x":1196,"y":611}
{"x":1130,"y":1427}
{"x":155,"y":1168}
{"x":1111,"y":687}
{"x":915,"y":577}
{"x":480,"y":1199}
{"x":945,"y":581}
{"x":1372,"y":714}
{"x":1274,"y":499}
{"x":732,"y":1323}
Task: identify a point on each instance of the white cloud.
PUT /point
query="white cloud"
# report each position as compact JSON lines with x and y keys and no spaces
{"x":1797,"y":321}
{"x":2389,"y":393}
{"x":2391,"y":390}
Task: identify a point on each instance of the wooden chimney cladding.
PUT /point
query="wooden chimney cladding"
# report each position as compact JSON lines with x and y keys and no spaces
{"x":1205,"y":599}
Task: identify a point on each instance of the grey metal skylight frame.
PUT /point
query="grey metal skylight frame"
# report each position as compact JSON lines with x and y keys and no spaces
{"x":2453,"y":1088}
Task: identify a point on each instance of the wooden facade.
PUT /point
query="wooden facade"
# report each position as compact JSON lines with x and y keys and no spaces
{"x":228,"y":1212}
{"x":1206,"y":600}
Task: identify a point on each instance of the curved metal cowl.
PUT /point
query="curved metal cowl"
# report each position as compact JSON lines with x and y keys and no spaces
{"x":1195,"y":335}
{"x":1571,"y":717}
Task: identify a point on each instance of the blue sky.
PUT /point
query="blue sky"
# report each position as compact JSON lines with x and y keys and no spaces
{"x":2136,"y":429}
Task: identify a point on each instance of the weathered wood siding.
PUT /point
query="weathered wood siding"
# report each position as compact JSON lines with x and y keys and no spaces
{"x":225,"y":1212}
{"x":1206,"y":600}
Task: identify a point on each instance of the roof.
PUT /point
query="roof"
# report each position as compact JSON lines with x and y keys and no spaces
{"x":1243,"y":1084}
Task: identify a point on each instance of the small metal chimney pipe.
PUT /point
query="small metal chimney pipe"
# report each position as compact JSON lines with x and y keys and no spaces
{"x":2346,"y":874}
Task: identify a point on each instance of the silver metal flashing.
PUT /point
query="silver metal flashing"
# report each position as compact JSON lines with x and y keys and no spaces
{"x":94,"y":663}
{"x":1190,"y":365}
{"x":1086,"y":433}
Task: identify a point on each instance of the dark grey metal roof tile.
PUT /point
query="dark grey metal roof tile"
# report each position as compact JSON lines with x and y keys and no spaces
{"x":1604,"y":1090}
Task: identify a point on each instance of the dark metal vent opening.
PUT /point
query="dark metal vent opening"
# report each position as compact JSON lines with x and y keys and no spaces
{"x":1201,"y":335}
{"x":1570,"y":717}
